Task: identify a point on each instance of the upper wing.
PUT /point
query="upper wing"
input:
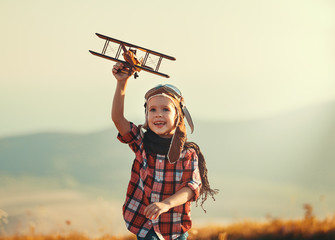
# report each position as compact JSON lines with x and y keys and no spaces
{"x":135,"y":46}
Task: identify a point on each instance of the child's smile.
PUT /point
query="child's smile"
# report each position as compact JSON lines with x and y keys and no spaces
{"x":161,"y":116}
{"x":159,"y":124}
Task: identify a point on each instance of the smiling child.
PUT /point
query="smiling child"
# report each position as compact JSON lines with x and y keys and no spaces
{"x":168,"y":172}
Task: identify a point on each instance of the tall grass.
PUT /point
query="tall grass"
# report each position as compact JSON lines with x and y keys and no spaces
{"x":307,"y":228}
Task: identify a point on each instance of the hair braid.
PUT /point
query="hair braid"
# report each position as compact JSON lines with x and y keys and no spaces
{"x":205,"y":188}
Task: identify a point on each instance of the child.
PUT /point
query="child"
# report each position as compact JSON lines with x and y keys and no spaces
{"x":165,"y":175}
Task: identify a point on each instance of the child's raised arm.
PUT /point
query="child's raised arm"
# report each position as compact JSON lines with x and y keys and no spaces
{"x":121,"y":123}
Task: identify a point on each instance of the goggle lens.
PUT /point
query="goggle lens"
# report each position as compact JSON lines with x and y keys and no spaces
{"x":173,"y":89}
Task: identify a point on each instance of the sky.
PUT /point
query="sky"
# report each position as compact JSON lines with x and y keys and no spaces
{"x":236,"y":60}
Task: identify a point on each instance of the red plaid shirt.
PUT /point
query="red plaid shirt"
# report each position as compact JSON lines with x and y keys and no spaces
{"x":153,"y":179}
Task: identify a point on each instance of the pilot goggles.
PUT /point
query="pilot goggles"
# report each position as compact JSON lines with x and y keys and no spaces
{"x":169,"y":88}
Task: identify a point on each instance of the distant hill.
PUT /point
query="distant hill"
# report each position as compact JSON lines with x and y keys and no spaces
{"x":297,"y":147}
{"x":293,"y":149}
{"x":93,"y":159}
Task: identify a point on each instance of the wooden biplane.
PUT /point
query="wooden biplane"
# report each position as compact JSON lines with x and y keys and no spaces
{"x":131,"y":58}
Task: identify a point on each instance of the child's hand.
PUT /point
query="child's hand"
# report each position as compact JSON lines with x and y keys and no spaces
{"x":120,"y":72}
{"x":153,"y":210}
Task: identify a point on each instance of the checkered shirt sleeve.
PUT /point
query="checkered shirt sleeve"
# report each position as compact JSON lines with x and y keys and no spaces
{"x":191,"y":174}
{"x":134,"y":139}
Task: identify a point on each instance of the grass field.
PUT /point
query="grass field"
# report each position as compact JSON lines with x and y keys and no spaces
{"x":307,"y":228}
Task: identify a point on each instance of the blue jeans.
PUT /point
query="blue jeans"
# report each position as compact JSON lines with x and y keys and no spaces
{"x":153,"y":236}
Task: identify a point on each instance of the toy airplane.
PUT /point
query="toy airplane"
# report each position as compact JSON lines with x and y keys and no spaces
{"x":131,"y":60}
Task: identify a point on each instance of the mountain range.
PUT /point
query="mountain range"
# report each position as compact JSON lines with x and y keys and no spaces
{"x":259,"y":165}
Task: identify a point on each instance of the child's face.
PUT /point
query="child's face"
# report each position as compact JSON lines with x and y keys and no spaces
{"x":162,"y":116}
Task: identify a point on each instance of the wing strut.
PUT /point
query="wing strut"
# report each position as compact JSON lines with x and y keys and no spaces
{"x":145,"y":58}
{"x":159,"y":63}
{"x":105,"y":47}
{"x":118,"y":52}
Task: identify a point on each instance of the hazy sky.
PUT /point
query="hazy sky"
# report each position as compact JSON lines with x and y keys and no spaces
{"x":236,"y":59}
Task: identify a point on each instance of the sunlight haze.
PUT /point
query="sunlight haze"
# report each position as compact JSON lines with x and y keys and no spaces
{"x":236,"y":60}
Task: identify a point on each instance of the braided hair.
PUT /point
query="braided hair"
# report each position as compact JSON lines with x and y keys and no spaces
{"x":205,"y":188}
